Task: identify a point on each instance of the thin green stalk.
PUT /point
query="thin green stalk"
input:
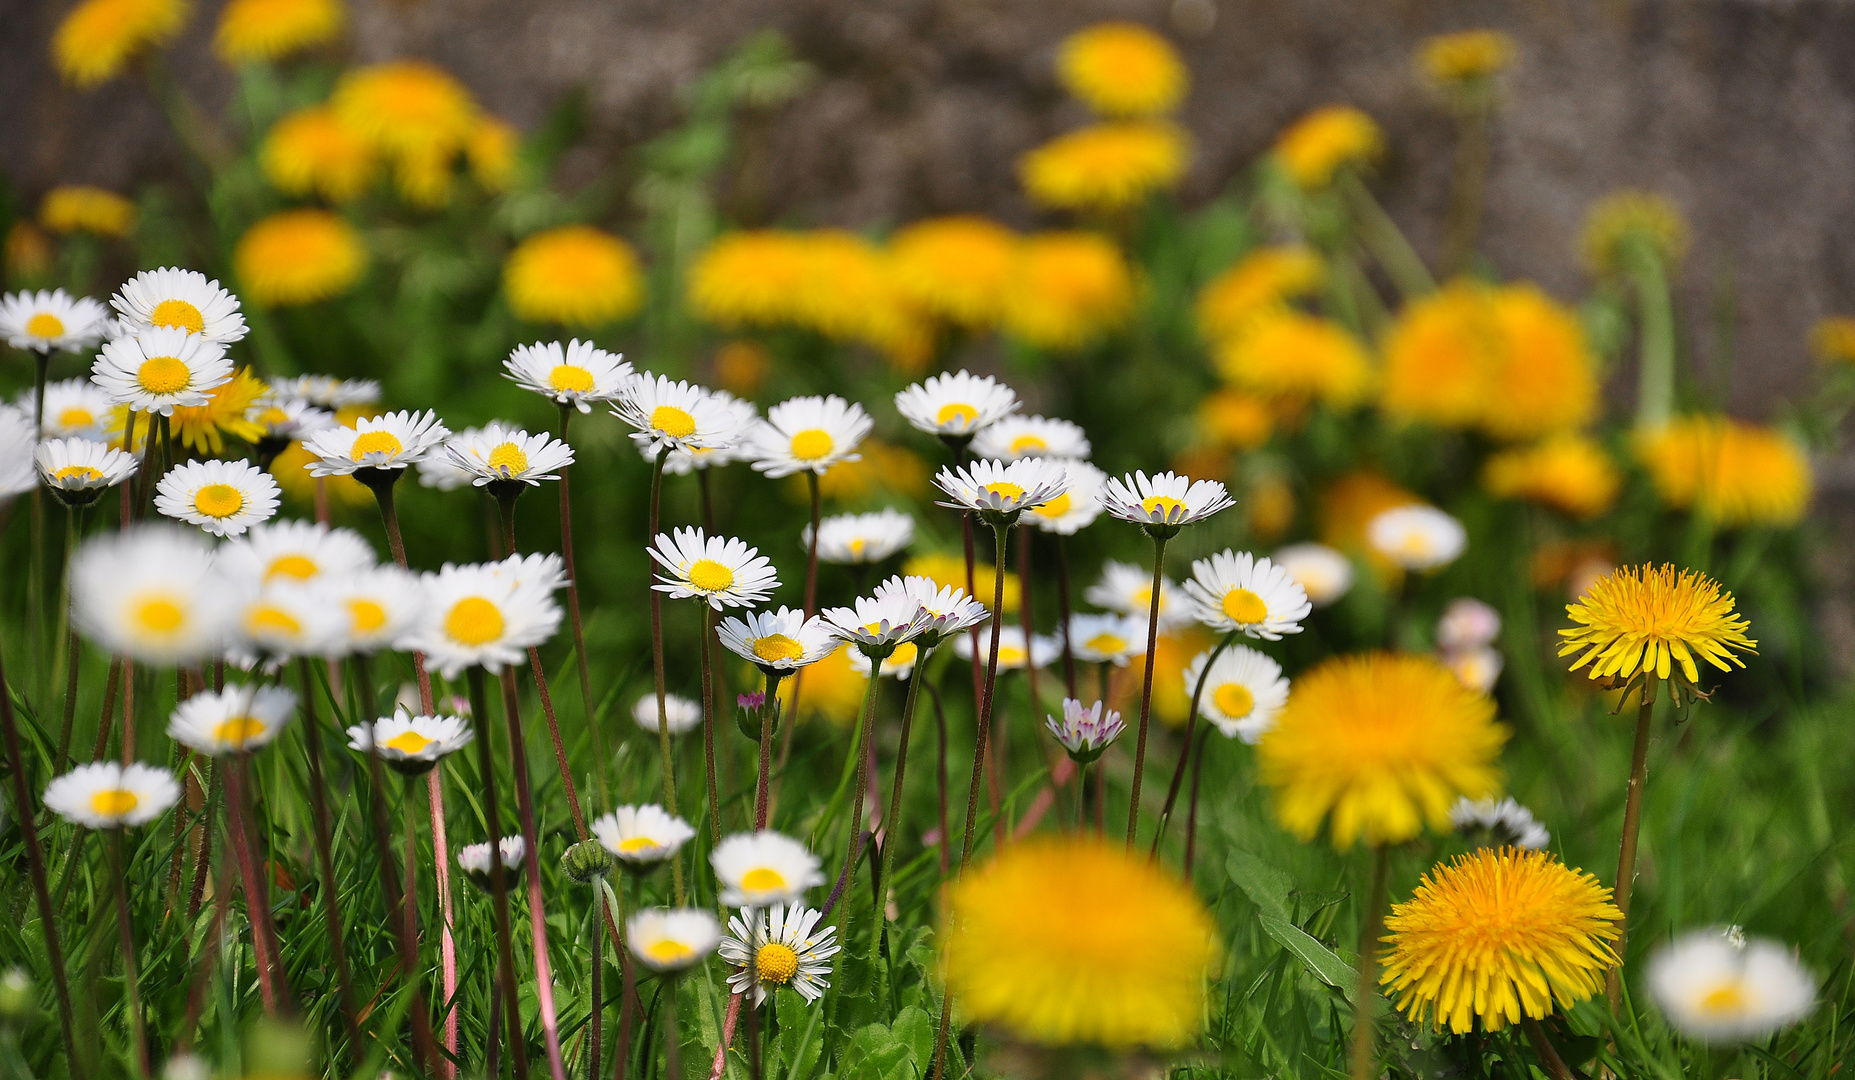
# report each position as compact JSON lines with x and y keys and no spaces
{"x":1632,"y":824}
{"x":1655,"y":388}
{"x":600,"y":780}
{"x":1365,"y":1059}
{"x":892,"y":824}
{"x":499,"y":885}
{"x":1401,"y":262}
{"x":131,"y":978}
{"x":325,"y":864}
{"x":663,"y":714}
{"x":1146,"y":688}
{"x":1186,"y":745}
{"x":709,"y":720}
{"x":73,"y":647}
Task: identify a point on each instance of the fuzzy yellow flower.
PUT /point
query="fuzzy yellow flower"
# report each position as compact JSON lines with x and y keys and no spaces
{"x":298,"y":257}
{"x":1316,"y":146}
{"x":1235,"y":419}
{"x":406,"y":106}
{"x":749,"y":278}
{"x":1122,"y":69}
{"x":203,"y":427}
{"x":311,"y":151}
{"x":1832,"y":339}
{"x":1069,"y":288}
{"x":1625,"y":219}
{"x":1465,"y":56}
{"x":491,"y":151}
{"x":99,"y":37}
{"x":1173,"y":652}
{"x":80,"y":208}
{"x":1497,"y":936}
{"x":1271,"y":507}
{"x":850,"y":293}
{"x":290,"y":469}
{"x":1290,"y":354}
{"x":883,"y":467}
{"x":1570,"y":473}
{"x":949,"y":571}
{"x":1649,"y":623}
{"x":1076,"y":941}
{"x":833,"y":689}
{"x":1107,"y":166}
{"x":1736,"y":473}
{"x":1265,"y":278}
{"x":273,"y":29}
{"x":575,"y":275}
{"x":957,"y":268}
{"x":1382,"y":743}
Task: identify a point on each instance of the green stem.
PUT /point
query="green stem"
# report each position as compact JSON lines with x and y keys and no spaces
{"x":600,"y":778}
{"x":1632,"y":823}
{"x":1365,"y":1060}
{"x":499,"y":884}
{"x":1655,"y":388}
{"x":892,"y":824}
{"x":1186,"y":747}
{"x":1387,"y":243}
{"x":663,"y":714}
{"x":1146,"y":688}
{"x":125,"y":928}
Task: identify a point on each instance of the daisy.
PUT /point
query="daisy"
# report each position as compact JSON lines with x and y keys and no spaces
{"x":483,"y":614}
{"x":160,"y":370}
{"x":1014,"y":651}
{"x":785,"y":948}
{"x":1478,"y":668}
{"x":576,"y":374}
{"x":1467,"y":623}
{"x":1505,"y":823}
{"x":1234,"y":590}
{"x":777,"y":642}
{"x":182,"y":299}
{"x":392,"y":441}
{"x":1716,"y":986}
{"x":223,"y":498}
{"x":898,"y":665}
{"x":105,"y":795}
{"x":1323,"y":573}
{"x":151,"y":593}
{"x":1164,"y":503}
{"x":675,"y":415}
{"x":742,"y":415}
{"x":957,"y":406}
{"x":287,"y":419}
{"x":1243,"y":693}
{"x":382,"y":603}
{"x":861,"y":539}
{"x":680,"y":713}
{"x":1417,"y":537}
{"x":1128,"y":590}
{"x":1085,"y":731}
{"x":79,"y":470}
{"x":764,"y":868}
{"x":671,"y":939}
{"x":294,"y":550}
{"x":1014,"y":437}
{"x":441,"y":472}
{"x":999,"y":491}
{"x":292,"y":618}
{"x":412,"y":744}
{"x":723,"y":572}
{"x":642,"y":837}
{"x":47,"y":322}
{"x":19,"y":472}
{"x":1107,"y":639}
{"x":237,"y":719}
{"x":74,"y":408}
{"x":499,"y":454}
{"x":807,"y":434}
{"x":474,"y":861}
{"x":876,"y":624}
{"x":945,"y":610}
{"x":327,"y":392}
{"x":1079,"y":504}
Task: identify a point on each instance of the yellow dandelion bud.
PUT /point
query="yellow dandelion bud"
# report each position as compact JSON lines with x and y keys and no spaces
{"x":1314,"y":147}
{"x":1285,"y":353}
{"x":1736,"y":473}
{"x":79,"y":208}
{"x":1833,"y":339}
{"x":252,"y":30}
{"x":1122,"y":69}
{"x":99,"y":37}
{"x":957,"y":268}
{"x":1633,"y":218}
{"x":1265,"y":278}
{"x":1107,"y":166}
{"x":1465,"y":56}
{"x":575,"y":275}
{"x":311,"y":151}
{"x":1649,"y":624}
{"x":1570,"y":473}
{"x":1069,"y":289}
{"x":491,"y":151}
{"x":203,"y":427}
{"x":298,"y":257}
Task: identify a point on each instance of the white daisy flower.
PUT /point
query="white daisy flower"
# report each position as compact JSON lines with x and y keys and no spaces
{"x":1243,"y":693}
{"x":1013,"y":437}
{"x":672,"y":939}
{"x":723,"y":572}
{"x":287,"y":419}
{"x":1467,"y":623}
{"x":19,"y":472}
{"x":1716,"y":986}
{"x":291,"y":550}
{"x":1128,"y":590}
{"x":233,"y":720}
{"x":577,"y":374}
{"x":1107,"y":639}
{"x":1078,"y":506}
{"x":876,"y":624}
{"x":80,"y":470}
{"x":391,"y":441}
{"x":955,"y":406}
{"x":441,"y":472}
{"x":860,"y":539}
{"x":412,"y":744}
{"x":482,"y":614}
{"x":1323,"y":573}
{"x":151,"y":593}
{"x":1479,"y":668}
{"x":742,"y":415}
{"x":784,"y":948}
{"x":383,"y":603}
{"x":1086,"y":731}
{"x":106,"y":795}
{"x":499,"y":454}
{"x":183,"y":299}
{"x":1234,"y":590}
{"x":642,"y":837}
{"x":223,"y":498}
{"x":807,"y":434}
{"x":1417,"y":537}
{"x":678,"y":415}
{"x":764,"y":868}
{"x":1509,"y":823}
{"x":474,"y":861}
{"x":74,"y":409}
{"x":945,"y":609}
{"x":326,"y":391}
{"x":1014,"y":650}
{"x":1165,"y":502}
{"x":160,"y":370}
{"x":777,"y":642}
{"x":54,"y":321}
{"x":1001,"y":490}
{"x":290,"y":618}
{"x":680,"y":713}
{"x":898,"y":665}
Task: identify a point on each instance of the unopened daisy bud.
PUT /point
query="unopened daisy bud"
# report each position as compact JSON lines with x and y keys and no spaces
{"x":1086,"y":731}
{"x":79,"y":471}
{"x":680,"y":714}
{"x":860,"y":539}
{"x":586,"y":861}
{"x":411,"y":744}
{"x":723,"y":572}
{"x":1164,"y":503}
{"x":1323,"y":573}
{"x":807,"y":434}
{"x":474,"y":861}
{"x":1417,"y":537}
{"x":1234,"y":590}
{"x":642,"y":838}
{"x":1000,"y":491}
{"x":1717,"y":986}
{"x":671,"y":940}
{"x":106,"y":795}
{"x":764,"y":868}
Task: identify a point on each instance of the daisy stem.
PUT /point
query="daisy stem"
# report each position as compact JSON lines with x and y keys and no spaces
{"x":1365,"y":1058}
{"x":1186,"y":751}
{"x":1191,"y":816}
{"x":708,"y":724}
{"x":769,"y":708}
{"x":1542,"y":1045}
{"x":203,"y":851}
{"x":1626,"y":854}
{"x":325,"y":865}
{"x":940,"y":773}
{"x":1468,"y":184}
{"x":892,"y":824}
{"x":128,"y":484}
{"x":73,"y":648}
{"x":1026,"y":615}
{"x":600,"y":778}
{"x":864,"y":729}
{"x":447,"y":941}
{"x":537,"y":914}
{"x":672,"y":1040}
{"x":1146,"y":688}
{"x":1062,"y":611}
{"x":272,"y":986}
{"x":131,"y":981}
{"x":499,"y":886}
{"x":663,"y":714}
{"x":811,"y":608}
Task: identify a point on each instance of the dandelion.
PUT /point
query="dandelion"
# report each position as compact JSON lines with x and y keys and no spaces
{"x":176,"y":299}
{"x":1717,"y":986}
{"x":299,"y":257}
{"x":1505,"y":823}
{"x":491,"y":150}
{"x":1626,"y":222}
{"x":54,"y":321}
{"x":807,"y":434}
{"x":1069,"y":290}
{"x":1235,"y":590}
{"x":575,"y":275}
{"x":1107,"y":639}
{"x":764,"y":868}
{"x":1261,"y":281}
{"x":1110,"y":166}
{"x":236,"y":720}
{"x":310,"y":151}
{"x":223,"y":498}
{"x":576,"y":374}
{"x":998,"y":492}
{"x":1122,"y":69}
{"x":784,"y":948}
{"x":1079,"y":504}
{"x":681,"y":715}
{"x":486,"y":615}
{"x":253,"y":30}
{"x":642,"y":837}
{"x":956,"y":407}
{"x":411,"y":744}
{"x":1649,"y":624}
{"x":226,"y":412}
{"x":1832,"y":339}
{"x":1288,"y":355}
{"x":406,"y":108}
{"x":386,"y":443}
{"x":96,"y":41}
{"x":151,"y":593}
{"x":81,"y":208}
{"x":861,"y":539}
{"x":1244,"y":691}
{"x":957,"y":268}
{"x":1324,"y":574}
{"x":671,"y":940}
{"x":1569,"y":473}
{"x":160,"y":370}
{"x":498,"y":457}
{"x":1465,"y":56}
{"x":1325,"y":141}
{"x":723,"y":572}
{"x":1417,"y":537}
{"x":105,"y":795}
{"x":750,"y":278}
{"x":1735,"y":473}
{"x":78,"y":471}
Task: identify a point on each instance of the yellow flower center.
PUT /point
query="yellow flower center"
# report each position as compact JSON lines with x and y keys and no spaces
{"x":856,"y":546}
{"x":672,"y":421}
{"x":763,"y":879}
{"x":270,"y":619}
{"x":1009,"y":655}
{"x":375,"y":442}
{"x":1056,"y":507}
{"x":473,"y":621}
{"x":1245,"y":607}
{"x":903,"y":655}
{"x":163,"y":375}
{"x":114,"y":802}
{"x":366,"y":615}
{"x":76,"y":417}
{"x":669,"y":953}
{"x":1028,"y":444}
{"x":778,"y":647}
{"x":710,"y":576}
{"x":776,"y":963}
{"x":812,"y":444}
{"x":1414,"y":544}
{"x":570,"y":378}
{"x":238,"y":731}
{"x":956,"y":414}
{"x":219,"y":500}
{"x":1167,"y":507}
{"x":1005,"y":491}
{"x":300,"y":567}
{"x":1107,"y":643}
{"x":77,"y":474}
{"x":631,"y":845}
{"x":408,"y":742}
{"x":1143,"y":598}
{"x":508,"y":459}
{"x":1234,"y":700}
{"x":1727,"y":999}
{"x":158,"y":615}
{"x":178,"y":313}
{"x":273,"y":416}
{"x":45,"y":325}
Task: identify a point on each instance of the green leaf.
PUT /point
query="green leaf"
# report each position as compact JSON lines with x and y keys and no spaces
{"x":1322,"y":961}
{"x":1266,"y":886}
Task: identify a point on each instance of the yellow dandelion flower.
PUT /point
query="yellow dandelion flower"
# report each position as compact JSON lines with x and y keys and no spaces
{"x":99,"y":37}
{"x":1570,"y":473}
{"x":204,"y":427}
{"x":1348,"y":505}
{"x":1465,"y":56}
{"x":311,"y":151}
{"x":1320,"y":143}
{"x":1263,"y":279}
{"x":28,"y":252}
{"x":957,"y":268}
{"x":949,"y":570}
{"x":575,"y":275}
{"x":80,"y":208}
{"x":1285,"y":353}
{"x":1629,"y":219}
{"x":850,"y":293}
{"x":1736,"y":473}
{"x":252,"y":30}
{"x":1069,"y":289}
{"x":1122,"y":69}
{"x":1382,"y":743}
{"x":1497,"y":936}
{"x":1106,"y":166}
{"x":491,"y":151}
{"x":298,"y":257}
{"x":1833,"y":339}
{"x":406,"y":107}
{"x":1649,"y":623}
{"x":1235,"y":420}
{"x":1064,"y":941}
{"x":749,"y":278}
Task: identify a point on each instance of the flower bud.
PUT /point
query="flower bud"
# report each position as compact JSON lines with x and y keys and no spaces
{"x":586,"y":860}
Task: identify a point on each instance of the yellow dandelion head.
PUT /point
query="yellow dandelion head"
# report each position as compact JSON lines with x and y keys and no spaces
{"x":491,"y":153}
{"x":1122,"y":69}
{"x":575,"y":275}
{"x":1496,"y":936}
{"x":749,"y":278}
{"x":1235,"y":419}
{"x":1381,"y":744}
{"x":28,"y":252}
{"x":406,"y":107}
{"x":1286,"y":353}
{"x":957,"y":268}
{"x":849,"y":292}
{"x":204,"y":427}
{"x":1106,"y":166}
{"x":99,"y":37}
{"x":1650,"y":623}
{"x":1066,"y":941}
{"x":1736,"y":473}
{"x":946,"y":569}
{"x":1263,"y":279}
{"x":1570,"y":473}
{"x":298,"y":257}
{"x":1465,"y":56}
{"x":1314,"y":147}
{"x":1629,"y":221}
{"x":273,"y":29}
{"x":311,"y":151}
{"x":1832,"y":339}
{"x":80,"y":208}
{"x":1069,"y":289}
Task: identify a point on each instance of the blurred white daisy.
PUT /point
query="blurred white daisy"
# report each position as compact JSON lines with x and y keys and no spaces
{"x":1417,"y":537}
{"x":680,"y":713}
{"x":151,"y":593}
{"x":482,"y":614}
{"x":672,"y":939}
{"x":382,"y":603}
{"x":1086,"y":731}
{"x":1717,"y":986}
{"x":1001,"y":490}
{"x":223,"y":498}
{"x":1507,"y":822}
{"x":677,"y":415}
{"x":78,"y":471}
{"x":180,"y":299}
{"x":1165,"y":502}
{"x":784,"y":947}
{"x":807,"y":434}
{"x":233,"y":720}
{"x":160,"y":370}
{"x":474,"y":861}
{"x":1234,"y":590}
{"x":289,"y":618}
{"x":723,"y":572}
{"x":1107,"y":639}
{"x":326,"y":391}
{"x":876,"y":624}
{"x":955,"y":406}
{"x":1467,"y":623}
{"x":945,"y":610}
{"x":777,"y":642}
{"x":106,"y":795}
{"x":74,"y":408}
{"x":19,"y":472}
{"x":642,"y":837}
{"x":764,"y":868}
{"x":412,"y":744}
{"x":53,"y":321}
{"x":1014,"y":437}
{"x":1479,"y":667}
{"x":1323,"y":573}
{"x":860,"y":539}
{"x":1128,"y":590}
{"x":288,"y":419}
{"x":441,"y":472}
{"x":1014,"y":649}
{"x":497,"y":453}
{"x":294,"y":550}
{"x":1243,"y":693}
{"x":1079,"y":504}
{"x":577,"y":374}
{"x":390,"y":441}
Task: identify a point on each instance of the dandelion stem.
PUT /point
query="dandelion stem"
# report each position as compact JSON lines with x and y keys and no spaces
{"x":131,"y":979}
{"x":1655,"y":394}
{"x":600,"y":778}
{"x":1626,"y":854}
{"x":325,"y":864}
{"x":1542,"y":1045}
{"x":1186,"y":745}
{"x":1146,"y":688}
{"x":1365,"y":1060}
{"x":537,"y":914}
{"x":499,"y":886}
{"x":708,"y":724}
{"x":1468,"y":184}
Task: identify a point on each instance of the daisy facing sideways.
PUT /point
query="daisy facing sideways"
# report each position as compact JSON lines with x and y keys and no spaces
{"x":1079,"y":504}
{"x":238,"y":719}
{"x":784,"y":948}
{"x":777,"y":642}
{"x":1014,"y":437}
{"x":681,"y":714}
{"x":1716,"y":985}
{"x":955,"y":407}
{"x":74,"y":408}
{"x":54,"y":321}
{"x":999,"y":491}
{"x":294,"y":550}
{"x":106,"y":795}
{"x":722,"y":572}
{"x":474,"y":861}
{"x":411,"y":744}
{"x":495,"y":454}
{"x":670,"y":940}
{"x":78,"y":471}
{"x":1163,"y":503}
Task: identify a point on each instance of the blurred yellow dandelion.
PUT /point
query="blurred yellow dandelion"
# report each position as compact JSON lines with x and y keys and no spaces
{"x":1568,"y":472}
{"x":1286,"y":353}
{"x":1265,"y":278}
{"x":28,"y":252}
{"x":1235,"y":419}
{"x":406,"y":106}
{"x":957,"y":268}
{"x":1069,"y":288}
{"x":1122,"y":69}
{"x":273,"y":29}
{"x":749,"y":278}
{"x":1737,"y":473}
{"x":1316,"y":146}
{"x":949,"y":571}
{"x":203,"y":428}
{"x":1627,"y":219}
{"x":1465,"y":56}
{"x":1652,"y":622}
{"x":298,"y":257}
{"x":491,"y":152}
{"x":1832,"y":339}
{"x":80,"y":208}
{"x":99,"y":37}
{"x":883,"y":467}
{"x":1107,"y":166}
{"x":833,"y":689}
{"x":311,"y":151}
{"x":576,"y":275}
